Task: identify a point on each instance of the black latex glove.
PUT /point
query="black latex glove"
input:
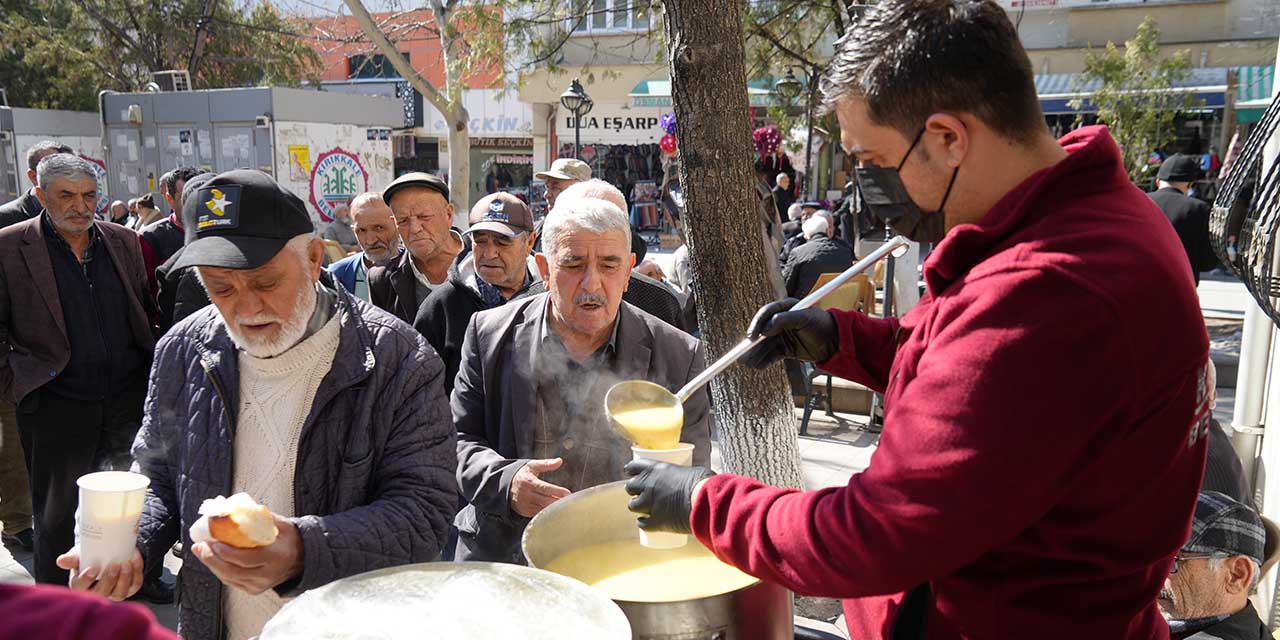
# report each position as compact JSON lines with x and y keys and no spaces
{"x":663,"y":493}
{"x":809,"y":334}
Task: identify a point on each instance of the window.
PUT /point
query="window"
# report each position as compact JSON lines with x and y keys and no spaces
{"x":371,"y":66}
{"x":611,"y":15}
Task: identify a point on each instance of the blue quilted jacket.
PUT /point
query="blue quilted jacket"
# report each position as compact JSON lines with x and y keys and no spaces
{"x":375,"y":467}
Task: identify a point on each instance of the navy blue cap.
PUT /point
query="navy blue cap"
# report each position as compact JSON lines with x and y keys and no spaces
{"x":242,"y":219}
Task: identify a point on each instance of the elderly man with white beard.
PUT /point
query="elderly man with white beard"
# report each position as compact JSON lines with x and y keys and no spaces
{"x":325,"y":409}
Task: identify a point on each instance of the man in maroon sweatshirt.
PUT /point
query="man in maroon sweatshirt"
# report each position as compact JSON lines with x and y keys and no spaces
{"x":1046,"y":405}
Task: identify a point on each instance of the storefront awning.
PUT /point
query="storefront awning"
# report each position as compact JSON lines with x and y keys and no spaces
{"x":1253,"y":92}
{"x":657,"y":93}
{"x":1057,"y":90}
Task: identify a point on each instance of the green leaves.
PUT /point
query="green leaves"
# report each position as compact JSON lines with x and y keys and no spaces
{"x":1138,"y":97}
{"x":60,"y":53}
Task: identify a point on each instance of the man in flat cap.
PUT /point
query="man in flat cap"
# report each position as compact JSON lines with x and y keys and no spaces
{"x":423,"y":215}
{"x":1206,"y":595}
{"x":493,"y":273}
{"x":563,"y":173}
{"x":1189,"y":216}
{"x":326,"y":410}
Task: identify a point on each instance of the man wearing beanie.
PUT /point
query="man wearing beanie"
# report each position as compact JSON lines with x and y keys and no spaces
{"x":1189,"y":216}
{"x":1206,"y":595}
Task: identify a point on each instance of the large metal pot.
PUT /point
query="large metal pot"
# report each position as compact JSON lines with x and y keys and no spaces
{"x":472,"y":600}
{"x":761,"y":611}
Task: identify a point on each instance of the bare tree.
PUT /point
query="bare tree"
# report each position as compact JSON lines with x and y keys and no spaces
{"x":754,"y":411}
{"x":447,"y":100}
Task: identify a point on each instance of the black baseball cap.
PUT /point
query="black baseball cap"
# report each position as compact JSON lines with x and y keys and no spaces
{"x":188,"y":214}
{"x":1179,"y":168}
{"x":243,"y":218}
{"x":416,"y":179}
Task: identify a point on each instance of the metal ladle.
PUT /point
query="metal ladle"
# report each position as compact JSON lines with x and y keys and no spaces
{"x":633,"y":393}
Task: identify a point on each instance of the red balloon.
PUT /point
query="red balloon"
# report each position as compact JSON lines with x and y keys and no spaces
{"x":668,"y":144}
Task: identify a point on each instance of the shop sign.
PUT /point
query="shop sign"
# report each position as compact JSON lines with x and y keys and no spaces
{"x":616,"y":123}
{"x":337,"y":177}
{"x":511,"y":158}
{"x":501,"y":143}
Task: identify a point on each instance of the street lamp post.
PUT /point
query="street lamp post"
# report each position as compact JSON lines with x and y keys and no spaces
{"x":790,"y":86}
{"x":579,"y":104}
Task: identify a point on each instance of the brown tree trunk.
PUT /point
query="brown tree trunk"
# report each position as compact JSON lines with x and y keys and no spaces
{"x":753,"y":409}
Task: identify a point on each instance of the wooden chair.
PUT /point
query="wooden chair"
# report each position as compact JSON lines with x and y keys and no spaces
{"x":858,"y":294}
{"x":334,"y":251}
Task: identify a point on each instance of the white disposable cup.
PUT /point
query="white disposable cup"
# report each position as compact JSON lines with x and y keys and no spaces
{"x":683,"y":456}
{"x":107,"y":518}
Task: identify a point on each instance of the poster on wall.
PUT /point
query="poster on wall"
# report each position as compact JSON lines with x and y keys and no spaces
{"x":100,"y":173}
{"x":327,"y":164}
{"x":299,"y":161}
{"x":338,"y":176}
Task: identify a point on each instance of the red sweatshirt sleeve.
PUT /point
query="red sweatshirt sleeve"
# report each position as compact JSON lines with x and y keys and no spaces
{"x":1022,"y":382}
{"x":867,"y":348}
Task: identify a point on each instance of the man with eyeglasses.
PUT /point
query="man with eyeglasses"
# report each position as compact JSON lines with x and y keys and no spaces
{"x":420,"y":204}
{"x":1206,"y":595}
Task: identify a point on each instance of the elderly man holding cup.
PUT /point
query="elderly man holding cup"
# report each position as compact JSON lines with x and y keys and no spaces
{"x":327,"y":411}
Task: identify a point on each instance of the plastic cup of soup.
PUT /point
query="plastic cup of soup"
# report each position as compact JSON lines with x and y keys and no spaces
{"x":682,"y":456}
{"x":107,"y":518}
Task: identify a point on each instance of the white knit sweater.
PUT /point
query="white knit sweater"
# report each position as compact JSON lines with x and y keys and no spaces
{"x":275,"y":399}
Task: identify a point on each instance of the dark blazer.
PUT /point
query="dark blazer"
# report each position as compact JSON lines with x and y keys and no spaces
{"x":33,"y":334}
{"x":25,"y":207}
{"x":393,"y":288}
{"x":494,"y":402}
{"x":1190,"y":219}
{"x":809,"y":261}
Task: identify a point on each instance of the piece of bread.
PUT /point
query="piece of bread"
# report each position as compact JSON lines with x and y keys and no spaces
{"x":238,"y":521}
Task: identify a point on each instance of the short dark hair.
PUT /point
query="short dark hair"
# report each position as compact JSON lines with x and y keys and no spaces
{"x":43,"y":149}
{"x":910,"y":59}
{"x":169,"y":181}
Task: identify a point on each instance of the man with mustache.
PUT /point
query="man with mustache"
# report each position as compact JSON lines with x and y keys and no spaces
{"x":528,"y":398}
{"x":76,"y":333}
{"x":375,"y":230}
{"x":1206,"y":596}
{"x":325,"y":409}
{"x":494,"y":272}
{"x":423,"y":215}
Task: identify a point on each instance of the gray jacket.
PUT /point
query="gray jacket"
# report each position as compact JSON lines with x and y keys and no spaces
{"x":494,"y":402}
{"x":375,"y":463}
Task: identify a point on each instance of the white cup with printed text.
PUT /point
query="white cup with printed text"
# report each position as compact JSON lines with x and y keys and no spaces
{"x":107,"y":518}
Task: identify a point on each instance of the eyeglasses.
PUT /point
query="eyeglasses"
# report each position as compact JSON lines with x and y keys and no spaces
{"x":1178,"y":560}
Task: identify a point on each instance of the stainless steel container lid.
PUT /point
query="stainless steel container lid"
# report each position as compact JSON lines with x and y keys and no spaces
{"x":474,"y":600}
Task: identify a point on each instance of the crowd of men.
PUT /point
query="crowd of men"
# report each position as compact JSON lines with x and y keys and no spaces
{"x":214,"y":351}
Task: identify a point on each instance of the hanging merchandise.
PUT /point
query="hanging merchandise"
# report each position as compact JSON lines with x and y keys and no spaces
{"x":766,"y":140}
{"x":668,"y":122}
{"x":668,"y":144}
{"x":794,"y":147}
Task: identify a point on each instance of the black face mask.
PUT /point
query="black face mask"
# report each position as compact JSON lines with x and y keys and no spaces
{"x":887,"y":198}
